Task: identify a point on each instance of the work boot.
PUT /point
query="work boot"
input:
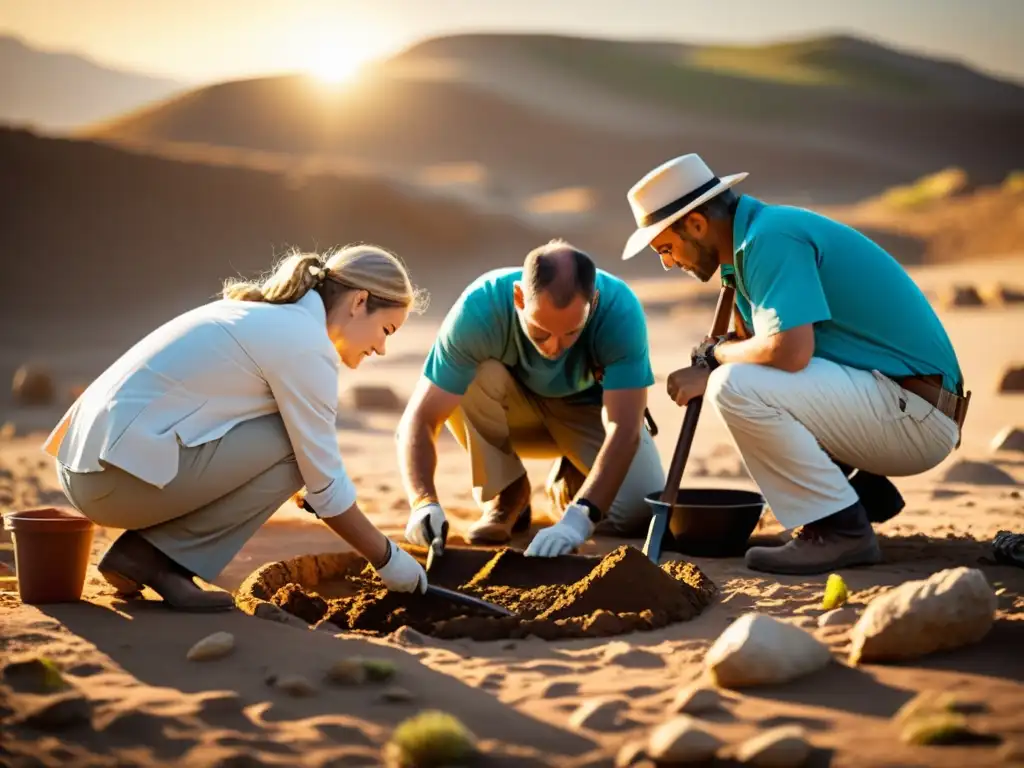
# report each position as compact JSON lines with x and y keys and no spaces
{"x":841,"y":540}
{"x":882,"y":500}
{"x":503,"y":514}
{"x":132,"y":562}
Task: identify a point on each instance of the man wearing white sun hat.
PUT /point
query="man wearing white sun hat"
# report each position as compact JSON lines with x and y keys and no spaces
{"x":844,"y":377}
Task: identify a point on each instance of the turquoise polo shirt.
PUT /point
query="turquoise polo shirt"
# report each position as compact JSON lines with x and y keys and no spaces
{"x":483,"y":325}
{"x":795,"y":267}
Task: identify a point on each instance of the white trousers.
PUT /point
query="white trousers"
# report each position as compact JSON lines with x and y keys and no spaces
{"x":783,"y":424}
{"x":223,"y":492}
{"x":498,"y":422}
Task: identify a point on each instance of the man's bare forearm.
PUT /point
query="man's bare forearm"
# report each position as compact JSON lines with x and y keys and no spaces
{"x":611,"y":466}
{"x":417,"y":457}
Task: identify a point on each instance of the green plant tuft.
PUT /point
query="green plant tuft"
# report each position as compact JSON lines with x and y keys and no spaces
{"x":430,"y":739}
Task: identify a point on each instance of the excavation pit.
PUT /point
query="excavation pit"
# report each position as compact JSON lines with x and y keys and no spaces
{"x":567,"y":597}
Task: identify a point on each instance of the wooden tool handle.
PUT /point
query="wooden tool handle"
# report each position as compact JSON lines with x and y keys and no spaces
{"x":723,"y":313}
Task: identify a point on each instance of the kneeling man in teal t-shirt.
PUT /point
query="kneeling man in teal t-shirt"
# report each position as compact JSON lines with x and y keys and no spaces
{"x":547,"y":360}
{"x":845,"y":376}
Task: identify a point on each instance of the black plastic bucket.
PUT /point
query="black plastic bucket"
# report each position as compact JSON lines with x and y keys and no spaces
{"x":709,"y":522}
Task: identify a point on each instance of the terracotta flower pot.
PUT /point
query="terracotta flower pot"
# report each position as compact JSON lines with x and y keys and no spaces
{"x":51,"y":553}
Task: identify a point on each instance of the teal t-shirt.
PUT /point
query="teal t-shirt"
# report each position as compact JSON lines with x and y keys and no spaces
{"x":796,"y":267}
{"x":483,"y":325}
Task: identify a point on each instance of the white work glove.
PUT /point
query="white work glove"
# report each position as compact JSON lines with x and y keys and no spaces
{"x":569,"y":533}
{"x":402,"y":573}
{"x":426,"y":523}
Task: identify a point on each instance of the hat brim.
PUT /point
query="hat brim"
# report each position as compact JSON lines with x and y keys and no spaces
{"x":643,"y":236}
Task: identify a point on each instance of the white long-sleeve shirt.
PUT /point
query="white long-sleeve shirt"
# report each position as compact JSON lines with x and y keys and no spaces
{"x":194,"y":378}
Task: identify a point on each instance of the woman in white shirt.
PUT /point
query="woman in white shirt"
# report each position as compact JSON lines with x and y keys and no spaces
{"x":196,"y":435}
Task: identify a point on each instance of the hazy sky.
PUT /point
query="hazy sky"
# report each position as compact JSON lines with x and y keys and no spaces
{"x":215,"y":39}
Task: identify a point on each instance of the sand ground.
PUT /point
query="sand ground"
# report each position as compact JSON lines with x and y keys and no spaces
{"x":152,"y":707}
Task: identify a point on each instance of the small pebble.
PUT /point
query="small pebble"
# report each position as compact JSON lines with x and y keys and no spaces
{"x":597,"y":714}
{"x":782,"y":747}
{"x":681,"y":740}
{"x":214,"y":646}
{"x":293,"y":685}
{"x":838,"y":617}
{"x":696,"y":700}
{"x":396,"y":695}
{"x":347,"y":672}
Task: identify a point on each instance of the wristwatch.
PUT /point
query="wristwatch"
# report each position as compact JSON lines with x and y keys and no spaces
{"x":593,"y":512}
{"x":703,"y":354}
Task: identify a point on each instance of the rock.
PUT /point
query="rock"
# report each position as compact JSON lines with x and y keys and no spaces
{"x":962,"y":295}
{"x":265,"y":610}
{"x":600,"y":714}
{"x":838,"y":617}
{"x":293,"y":685}
{"x":347,"y":672}
{"x":976,"y":473}
{"x":938,"y":729}
{"x":33,"y":386}
{"x":757,"y":650}
{"x":998,"y":294}
{"x":1010,"y":439}
{"x":681,"y":740}
{"x":696,"y":700}
{"x":1013,"y":380}
{"x":374,"y":397}
{"x":631,"y":753}
{"x":782,"y":747}
{"x":215,"y":646}
{"x":407,"y":636}
{"x":396,"y":695}
{"x":951,"y":608}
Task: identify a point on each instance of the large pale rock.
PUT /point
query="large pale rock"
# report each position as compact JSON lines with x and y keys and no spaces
{"x":782,"y":747}
{"x":951,"y":608}
{"x":759,"y":650}
{"x":681,"y":740}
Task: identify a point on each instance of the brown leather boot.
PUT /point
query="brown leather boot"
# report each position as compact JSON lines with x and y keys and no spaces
{"x":132,"y":562}
{"x":841,"y":540}
{"x":502,"y":514}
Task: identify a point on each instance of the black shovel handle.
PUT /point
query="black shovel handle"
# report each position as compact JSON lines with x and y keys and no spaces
{"x":720,"y":325}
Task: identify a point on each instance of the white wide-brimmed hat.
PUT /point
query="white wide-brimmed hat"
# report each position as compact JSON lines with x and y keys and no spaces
{"x":668,"y":193}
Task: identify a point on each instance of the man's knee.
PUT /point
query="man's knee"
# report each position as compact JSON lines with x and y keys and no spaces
{"x":732,"y":386}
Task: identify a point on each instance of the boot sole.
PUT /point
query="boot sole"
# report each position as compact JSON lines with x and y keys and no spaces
{"x":873,"y":556}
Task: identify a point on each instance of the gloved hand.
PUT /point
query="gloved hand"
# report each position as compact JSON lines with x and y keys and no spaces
{"x":563,"y":537}
{"x":426,"y":523}
{"x":401,"y":573}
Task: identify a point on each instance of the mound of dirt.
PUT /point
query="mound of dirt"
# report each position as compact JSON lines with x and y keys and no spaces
{"x":553,"y":598}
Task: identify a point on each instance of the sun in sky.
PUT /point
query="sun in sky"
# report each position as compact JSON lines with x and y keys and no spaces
{"x":336,"y":64}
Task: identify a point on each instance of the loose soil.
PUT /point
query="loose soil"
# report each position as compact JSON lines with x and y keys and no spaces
{"x":553,"y":598}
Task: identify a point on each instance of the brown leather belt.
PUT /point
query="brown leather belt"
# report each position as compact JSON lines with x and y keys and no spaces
{"x":930,"y":389}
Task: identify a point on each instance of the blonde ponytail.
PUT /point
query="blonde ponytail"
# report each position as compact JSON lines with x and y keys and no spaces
{"x":356,"y":267}
{"x":290,"y":281}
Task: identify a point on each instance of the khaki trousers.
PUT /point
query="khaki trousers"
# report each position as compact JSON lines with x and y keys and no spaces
{"x":223,"y":492}
{"x":783,"y":424}
{"x":499,"y":423}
